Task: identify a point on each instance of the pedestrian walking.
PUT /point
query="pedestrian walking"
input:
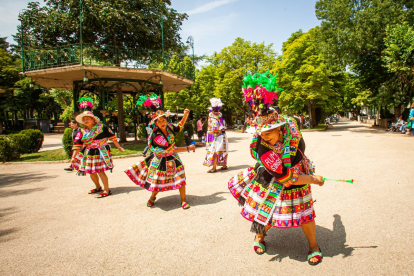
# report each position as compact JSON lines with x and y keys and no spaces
{"x":200,"y":125}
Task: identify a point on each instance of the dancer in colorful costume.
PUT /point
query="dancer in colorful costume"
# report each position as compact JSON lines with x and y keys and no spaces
{"x":91,"y":150}
{"x":276,"y":192}
{"x":217,"y":145}
{"x":163,"y":170}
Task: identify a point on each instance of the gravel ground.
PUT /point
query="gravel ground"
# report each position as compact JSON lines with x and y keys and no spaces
{"x":49,"y":225}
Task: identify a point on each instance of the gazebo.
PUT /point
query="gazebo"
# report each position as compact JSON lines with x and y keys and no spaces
{"x":104,"y":72}
{"x":108,"y":71}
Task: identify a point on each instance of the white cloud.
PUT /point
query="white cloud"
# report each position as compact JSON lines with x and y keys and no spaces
{"x":210,"y":6}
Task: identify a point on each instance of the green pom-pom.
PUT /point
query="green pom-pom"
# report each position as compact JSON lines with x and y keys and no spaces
{"x":85,"y":99}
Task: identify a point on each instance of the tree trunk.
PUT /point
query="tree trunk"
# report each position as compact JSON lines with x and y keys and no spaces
{"x":121,"y":117}
{"x":16,"y":122}
{"x":6,"y":115}
{"x":116,"y":51}
{"x":312,"y":114}
{"x":397,"y":111}
{"x":1,"y":127}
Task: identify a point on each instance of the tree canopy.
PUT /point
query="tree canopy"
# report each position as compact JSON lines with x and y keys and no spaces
{"x":130,"y":24}
{"x":354,"y":34}
{"x":305,"y":76}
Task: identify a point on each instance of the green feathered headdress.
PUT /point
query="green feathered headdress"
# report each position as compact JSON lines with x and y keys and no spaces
{"x":85,"y":103}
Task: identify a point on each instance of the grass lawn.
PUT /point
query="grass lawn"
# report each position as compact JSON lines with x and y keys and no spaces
{"x":319,"y":127}
{"x":59,"y":154}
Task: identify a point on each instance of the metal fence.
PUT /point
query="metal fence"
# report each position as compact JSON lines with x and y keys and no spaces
{"x":86,"y":54}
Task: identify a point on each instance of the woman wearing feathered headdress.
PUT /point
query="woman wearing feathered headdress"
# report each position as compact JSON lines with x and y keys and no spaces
{"x":216,"y":143}
{"x":163,"y":170}
{"x":91,"y":150}
{"x":276,"y":192}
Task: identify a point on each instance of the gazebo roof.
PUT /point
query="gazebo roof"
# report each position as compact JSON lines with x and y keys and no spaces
{"x":64,"y":77}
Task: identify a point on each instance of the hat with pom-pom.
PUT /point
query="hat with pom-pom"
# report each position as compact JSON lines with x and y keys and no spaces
{"x":261,"y":91}
{"x":216,"y":104}
{"x":86,"y":107}
{"x":154,"y":102}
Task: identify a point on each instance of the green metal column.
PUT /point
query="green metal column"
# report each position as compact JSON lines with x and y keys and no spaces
{"x":103,"y":92}
{"x":80,"y":22}
{"x":75,"y":98}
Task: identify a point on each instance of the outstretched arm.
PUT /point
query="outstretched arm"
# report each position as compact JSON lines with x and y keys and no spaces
{"x":182,"y":149}
{"x":184,"y":119}
{"x":117,"y":145}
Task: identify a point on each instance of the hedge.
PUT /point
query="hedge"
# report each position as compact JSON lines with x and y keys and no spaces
{"x":36,"y":137}
{"x":8,"y":150}
{"x":67,"y":142}
{"x":21,"y":142}
{"x":13,"y":145}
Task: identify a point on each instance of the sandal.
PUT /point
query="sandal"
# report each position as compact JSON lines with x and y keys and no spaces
{"x":224,"y":168}
{"x":150,"y":202}
{"x":258,"y":245}
{"x":211,"y":171}
{"x":184,"y":205}
{"x":104,"y":194}
{"x":317,"y":255}
{"x":94,"y":191}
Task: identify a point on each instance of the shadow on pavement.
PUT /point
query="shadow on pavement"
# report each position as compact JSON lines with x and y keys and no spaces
{"x":292,"y":243}
{"x":235,"y":139}
{"x":12,"y":180}
{"x":4,"y":233}
{"x":8,"y":193}
{"x":22,"y":178}
{"x":172,"y":202}
{"x":240,"y":167}
{"x":348,"y":126}
{"x":125,"y":190}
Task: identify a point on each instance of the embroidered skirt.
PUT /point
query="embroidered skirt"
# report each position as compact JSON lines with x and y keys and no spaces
{"x":218,"y":146}
{"x":276,"y":206}
{"x":90,"y":161}
{"x":158,"y":175}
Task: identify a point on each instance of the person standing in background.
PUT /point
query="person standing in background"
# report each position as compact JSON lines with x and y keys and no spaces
{"x":200,"y":128}
{"x":75,"y":129}
{"x":411,"y":119}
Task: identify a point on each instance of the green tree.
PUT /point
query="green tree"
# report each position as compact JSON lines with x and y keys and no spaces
{"x":232,"y":64}
{"x":9,"y":74}
{"x":399,"y":56}
{"x":222,"y":77}
{"x":130,"y":24}
{"x":305,"y":77}
{"x":353,"y":35}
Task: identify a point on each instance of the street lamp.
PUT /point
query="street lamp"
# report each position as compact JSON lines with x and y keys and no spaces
{"x":21,"y":36}
{"x":190,"y":42}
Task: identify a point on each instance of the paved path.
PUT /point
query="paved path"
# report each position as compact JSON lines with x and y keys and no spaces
{"x":50,"y":226}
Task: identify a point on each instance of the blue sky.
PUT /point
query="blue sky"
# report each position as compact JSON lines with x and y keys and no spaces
{"x":215,"y":24}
